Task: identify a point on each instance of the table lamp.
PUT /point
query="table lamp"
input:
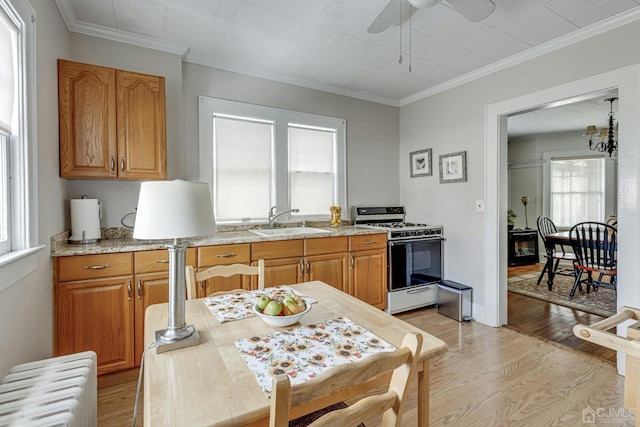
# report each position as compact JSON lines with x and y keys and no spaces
{"x":175,"y":210}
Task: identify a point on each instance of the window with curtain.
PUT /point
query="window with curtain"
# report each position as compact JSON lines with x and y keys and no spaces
{"x":577,"y":190}
{"x":255,"y":157}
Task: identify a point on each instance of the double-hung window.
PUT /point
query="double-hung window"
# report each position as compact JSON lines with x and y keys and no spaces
{"x":577,"y":190}
{"x":8,"y":85}
{"x":256,"y":157}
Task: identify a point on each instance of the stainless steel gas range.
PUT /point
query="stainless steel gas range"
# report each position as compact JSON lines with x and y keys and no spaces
{"x":414,"y":256}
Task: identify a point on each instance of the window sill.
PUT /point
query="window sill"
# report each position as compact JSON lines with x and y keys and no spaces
{"x":16,"y":265}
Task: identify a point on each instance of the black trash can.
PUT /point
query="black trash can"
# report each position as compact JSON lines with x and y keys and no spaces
{"x":454,"y":300}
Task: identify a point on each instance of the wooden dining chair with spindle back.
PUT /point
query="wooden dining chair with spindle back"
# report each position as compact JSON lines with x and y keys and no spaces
{"x":192,"y":278}
{"x":595,"y":245}
{"x":558,"y":253}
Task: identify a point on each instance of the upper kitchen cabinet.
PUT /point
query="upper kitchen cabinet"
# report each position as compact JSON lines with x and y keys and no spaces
{"x":112,"y":123}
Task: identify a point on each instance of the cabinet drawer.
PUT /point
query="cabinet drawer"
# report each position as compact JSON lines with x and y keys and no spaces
{"x":94,"y":266}
{"x":326,"y":245}
{"x":278,"y":249}
{"x":158,"y":260}
{"x":367,"y":241}
{"x":208,"y":256}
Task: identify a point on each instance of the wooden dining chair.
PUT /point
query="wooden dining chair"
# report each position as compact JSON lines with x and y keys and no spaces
{"x":596,"y":247}
{"x":192,"y":278}
{"x":401,"y":362}
{"x":558,"y":252}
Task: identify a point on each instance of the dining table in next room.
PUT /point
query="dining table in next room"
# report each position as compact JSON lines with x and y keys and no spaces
{"x":211,"y":384}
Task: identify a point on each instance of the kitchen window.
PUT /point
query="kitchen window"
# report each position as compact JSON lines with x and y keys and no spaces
{"x":255,"y":157}
{"x":18,"y":192}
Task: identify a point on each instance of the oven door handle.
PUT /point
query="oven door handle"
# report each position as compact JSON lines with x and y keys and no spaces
{"x":402,"y":242}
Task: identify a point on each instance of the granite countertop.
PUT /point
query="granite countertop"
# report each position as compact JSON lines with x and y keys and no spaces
{"x":119,"y":240}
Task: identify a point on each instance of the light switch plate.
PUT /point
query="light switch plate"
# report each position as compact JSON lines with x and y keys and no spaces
{"x":479,"y":205}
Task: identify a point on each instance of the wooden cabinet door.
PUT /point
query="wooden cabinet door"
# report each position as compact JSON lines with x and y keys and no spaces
{"x":150,"y":289}
{"x":332,"y":269}
{"x":368,"y":278}
{"x":87,"y":115}
{"x":142,"y":152}
{"x":97,"y":315}
{"x":286,"y":271}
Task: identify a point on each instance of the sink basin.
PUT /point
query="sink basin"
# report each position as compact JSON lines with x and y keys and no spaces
{"x":290,"y":231}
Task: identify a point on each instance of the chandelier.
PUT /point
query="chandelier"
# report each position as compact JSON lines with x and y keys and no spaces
{"x":608,"y":135}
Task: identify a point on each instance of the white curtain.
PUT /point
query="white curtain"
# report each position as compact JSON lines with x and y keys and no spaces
{"x":7,"y":74}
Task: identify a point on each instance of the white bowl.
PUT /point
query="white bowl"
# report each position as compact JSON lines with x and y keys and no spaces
{"x":281,"y":320}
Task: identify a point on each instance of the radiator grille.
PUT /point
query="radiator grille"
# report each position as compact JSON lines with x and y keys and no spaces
{"x":61,"y":391}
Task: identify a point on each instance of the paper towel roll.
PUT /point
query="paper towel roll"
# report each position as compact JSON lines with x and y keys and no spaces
{"x":85,"y":221}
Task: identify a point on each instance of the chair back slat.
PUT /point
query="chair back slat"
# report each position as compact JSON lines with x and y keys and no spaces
{"x":595,"y":245}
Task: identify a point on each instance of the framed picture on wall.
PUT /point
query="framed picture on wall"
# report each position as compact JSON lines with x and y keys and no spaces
{"x":420,"y":163}
{"x":453,"y":167}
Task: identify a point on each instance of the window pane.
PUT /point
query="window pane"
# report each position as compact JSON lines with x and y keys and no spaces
{"x":577,"y":190}
{"x":242,"y":168}
{"x":312,"y":175}
{"x":4,"y":195}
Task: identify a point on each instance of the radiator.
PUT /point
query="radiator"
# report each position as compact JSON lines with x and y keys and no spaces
{"x":61,"y":391}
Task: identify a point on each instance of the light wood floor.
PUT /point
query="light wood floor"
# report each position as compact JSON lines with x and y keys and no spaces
{"x":489,"y":377}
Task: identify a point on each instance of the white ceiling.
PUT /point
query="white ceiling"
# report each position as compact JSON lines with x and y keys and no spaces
{"x":324,"y":44}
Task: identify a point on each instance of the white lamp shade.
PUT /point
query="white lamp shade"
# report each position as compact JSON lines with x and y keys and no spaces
{"x":173,"y":210}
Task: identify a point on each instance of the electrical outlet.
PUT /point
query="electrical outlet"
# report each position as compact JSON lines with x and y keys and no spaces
{"x":479,"y":205}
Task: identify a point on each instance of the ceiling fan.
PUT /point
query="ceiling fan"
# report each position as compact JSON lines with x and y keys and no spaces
{"x":473,"y":10}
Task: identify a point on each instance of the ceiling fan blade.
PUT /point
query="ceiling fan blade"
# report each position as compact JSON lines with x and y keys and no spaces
{"x":385,"y":18}
{"x":473,"y":10}
{"x":419,"y":4}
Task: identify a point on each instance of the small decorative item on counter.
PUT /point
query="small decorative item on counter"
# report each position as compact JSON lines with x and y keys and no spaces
{"x":336,"y":212}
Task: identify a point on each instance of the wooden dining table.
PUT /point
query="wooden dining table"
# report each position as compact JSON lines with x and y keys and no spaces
{"x":211,"y":384}
{"x":551,"y":240}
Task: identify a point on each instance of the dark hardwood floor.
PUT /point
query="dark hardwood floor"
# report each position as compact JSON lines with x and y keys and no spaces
{"x":551,"y":322}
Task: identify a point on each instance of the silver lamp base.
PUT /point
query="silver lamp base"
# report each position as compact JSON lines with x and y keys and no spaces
{"x":174,"y":339}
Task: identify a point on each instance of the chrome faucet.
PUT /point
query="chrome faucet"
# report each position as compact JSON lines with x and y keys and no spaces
{"x":273,"y":214}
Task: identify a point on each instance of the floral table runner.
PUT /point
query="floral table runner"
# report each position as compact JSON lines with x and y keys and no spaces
{"x":238,"y":305}
{"x":304,"y":352}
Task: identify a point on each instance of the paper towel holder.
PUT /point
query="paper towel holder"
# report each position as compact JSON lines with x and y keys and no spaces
{"x":94,"y":228}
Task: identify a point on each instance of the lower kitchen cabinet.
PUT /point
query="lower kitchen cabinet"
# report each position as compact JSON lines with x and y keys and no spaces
{"x":368,"y":274}
{"x":210,"y":256}
{"x":97,"y":315}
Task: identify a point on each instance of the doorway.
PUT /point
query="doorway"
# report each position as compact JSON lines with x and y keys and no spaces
{"x":496,"y":190}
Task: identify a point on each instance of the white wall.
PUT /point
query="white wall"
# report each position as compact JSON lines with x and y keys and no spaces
{"x":26,"y":308}
{"x":372,"y":129}
{"x":455,"y":120}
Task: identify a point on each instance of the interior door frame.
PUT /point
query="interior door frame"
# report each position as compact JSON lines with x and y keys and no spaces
{"x":627,"y":81}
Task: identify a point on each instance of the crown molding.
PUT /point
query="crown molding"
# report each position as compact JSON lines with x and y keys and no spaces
{"x":534,"y":52}
{"x":291,"y":80}
{"x":76,"y":26}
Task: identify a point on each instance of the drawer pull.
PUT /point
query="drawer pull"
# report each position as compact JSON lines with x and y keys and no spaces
{"x":162,"y":261}
{"x":416,"y":291}
{"x":96,"y":267}
{"x":225,"y":255}
{"x":368,"y":242}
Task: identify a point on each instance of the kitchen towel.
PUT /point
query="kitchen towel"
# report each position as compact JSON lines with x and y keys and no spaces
{"x":85,"y":217}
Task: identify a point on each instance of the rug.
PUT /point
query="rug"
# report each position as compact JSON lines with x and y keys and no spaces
{"x":602,"y":302}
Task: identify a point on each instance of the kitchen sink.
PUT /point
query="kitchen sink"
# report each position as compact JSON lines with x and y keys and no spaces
{"x":289,"y":231}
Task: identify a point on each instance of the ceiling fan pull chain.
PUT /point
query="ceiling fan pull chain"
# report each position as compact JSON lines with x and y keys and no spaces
{"x":400,"y":49}
{"x":410,"y":36}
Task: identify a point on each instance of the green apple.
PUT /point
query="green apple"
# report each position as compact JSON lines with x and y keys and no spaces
{"x":274,"y":308}
{"x":263,"y":301}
